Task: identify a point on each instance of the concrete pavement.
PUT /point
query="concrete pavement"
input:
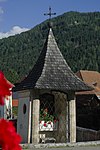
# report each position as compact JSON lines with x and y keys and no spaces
{"x":70,"y":148}
{"x":94,"y":145}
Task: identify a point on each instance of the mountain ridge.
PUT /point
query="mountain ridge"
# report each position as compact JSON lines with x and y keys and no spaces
{"x":77,"y":35}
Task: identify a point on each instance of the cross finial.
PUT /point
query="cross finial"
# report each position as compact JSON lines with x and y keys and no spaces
{"x":50,"y":13}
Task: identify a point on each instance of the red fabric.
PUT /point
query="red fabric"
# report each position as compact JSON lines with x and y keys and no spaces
{"x":9,"y":139}
{"x":5,"y":87}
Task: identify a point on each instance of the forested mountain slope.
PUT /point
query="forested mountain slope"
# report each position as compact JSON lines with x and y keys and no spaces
{"x":77,"y":35}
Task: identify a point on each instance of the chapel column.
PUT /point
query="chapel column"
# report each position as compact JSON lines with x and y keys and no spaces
{"x":72,"y":117}
{"x":35,"y":121}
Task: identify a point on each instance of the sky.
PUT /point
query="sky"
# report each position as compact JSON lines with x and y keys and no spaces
{"x":17,"y":16}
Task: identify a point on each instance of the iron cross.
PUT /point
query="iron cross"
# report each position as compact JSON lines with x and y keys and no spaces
{"x":50,"y":13}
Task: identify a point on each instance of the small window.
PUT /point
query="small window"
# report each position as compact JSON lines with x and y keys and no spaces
{"x":24,"y":108}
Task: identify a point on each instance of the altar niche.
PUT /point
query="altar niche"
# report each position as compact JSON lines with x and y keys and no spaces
{"x":54,"y":120}
{"x":48,"y":118}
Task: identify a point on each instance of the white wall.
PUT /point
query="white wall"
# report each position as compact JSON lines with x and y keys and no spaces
{"x":23,"y":121}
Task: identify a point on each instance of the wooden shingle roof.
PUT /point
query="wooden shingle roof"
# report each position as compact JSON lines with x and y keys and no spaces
{"x":51,"y":71}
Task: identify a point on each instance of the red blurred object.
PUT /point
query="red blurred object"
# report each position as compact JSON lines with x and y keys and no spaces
{"x":5,"y":88}
{"x":49,"y":122}
{"x":55,"y":121}
{"x":9,"y":139}
{"x":45,"y":124}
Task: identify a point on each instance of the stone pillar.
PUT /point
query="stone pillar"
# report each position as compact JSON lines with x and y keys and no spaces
{"x":72,"y":117}
{"x":61,"y":111}
{"x":35,"y":122}
{"x":67,"y":121}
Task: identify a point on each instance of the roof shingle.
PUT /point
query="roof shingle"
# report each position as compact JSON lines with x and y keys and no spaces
{"x":51,"y":71}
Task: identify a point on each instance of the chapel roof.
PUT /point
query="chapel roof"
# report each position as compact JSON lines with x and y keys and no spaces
{"x":51,"y":71}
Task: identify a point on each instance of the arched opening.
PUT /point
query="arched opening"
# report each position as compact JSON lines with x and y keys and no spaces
{"x":47,"y":107}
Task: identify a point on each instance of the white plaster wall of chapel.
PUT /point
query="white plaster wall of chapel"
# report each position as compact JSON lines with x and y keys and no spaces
{"x":23,"y":121}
